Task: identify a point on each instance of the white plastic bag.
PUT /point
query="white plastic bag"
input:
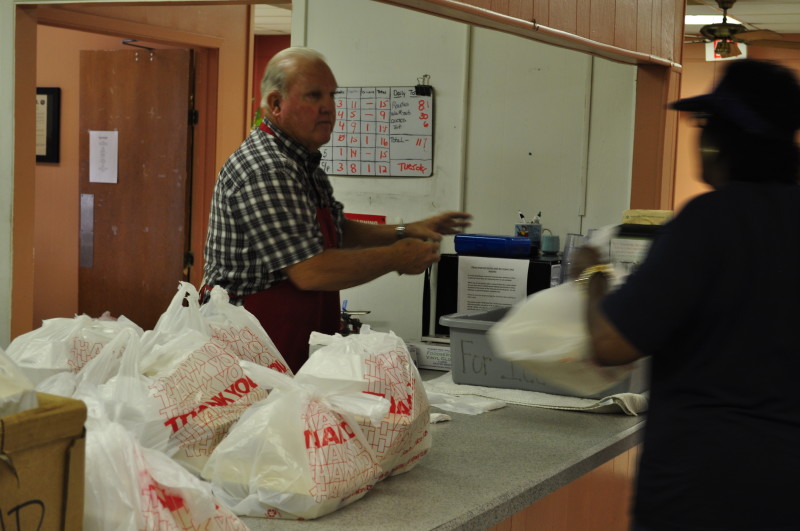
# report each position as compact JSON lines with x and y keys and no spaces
{"x":64,"y":344}
{"x":547,"y":335}
{"x":132,"y":488}
{"x":182,"y":404}
{"x":182,"y":313}
{"x":381,"y":363}
{"x":16,"y":390}
{"x":116,"y":382}
{"x":97,"y":370}
{"x":199,"y":389}
{"x":241,"y":332}
{"x":299,"y":454}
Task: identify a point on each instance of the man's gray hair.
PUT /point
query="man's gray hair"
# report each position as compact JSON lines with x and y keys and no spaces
{"x":275,"y":73}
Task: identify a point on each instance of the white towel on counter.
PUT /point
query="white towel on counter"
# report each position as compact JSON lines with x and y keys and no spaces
{"x":628,"y":403}
{"x":467,"y":404}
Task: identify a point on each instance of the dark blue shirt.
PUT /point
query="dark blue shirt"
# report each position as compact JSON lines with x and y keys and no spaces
{"x":716,"y":304}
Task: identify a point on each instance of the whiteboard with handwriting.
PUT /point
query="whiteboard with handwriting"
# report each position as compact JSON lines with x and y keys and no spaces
{"x":380,"y":131}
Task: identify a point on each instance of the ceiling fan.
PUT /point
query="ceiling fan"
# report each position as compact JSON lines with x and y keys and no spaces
{"x":727,"y":35}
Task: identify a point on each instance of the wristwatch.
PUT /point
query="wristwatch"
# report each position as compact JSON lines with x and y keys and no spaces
{"x":400,"y":232}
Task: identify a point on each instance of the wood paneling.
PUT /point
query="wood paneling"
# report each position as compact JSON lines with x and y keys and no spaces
{"x":584,"y":8}
{"x":644,"y":24}
{"x":521,"y":9}
{"x":564,"y":15}
{"x":654,"y":138}
{"x":625,"y":27}
{"x":500,"y":6}
{"x":637,"y":31}
{"x":601,"y":20}
{"x":597,"y":501}
{"x":666,"y":35}
{"x":540,"y":12}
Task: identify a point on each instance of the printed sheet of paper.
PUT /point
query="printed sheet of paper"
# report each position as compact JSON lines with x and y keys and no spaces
{"x":486,"y":283}
{"x":41,"y":125}
{"x":103,"y":150}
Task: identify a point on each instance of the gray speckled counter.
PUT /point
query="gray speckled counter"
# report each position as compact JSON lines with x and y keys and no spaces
{"x":482,"y":469}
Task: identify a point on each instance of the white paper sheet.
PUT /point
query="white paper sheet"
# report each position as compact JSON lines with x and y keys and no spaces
{"x":103,"y":162}
{"x":486,"y":283}
{"x":41,"y":124}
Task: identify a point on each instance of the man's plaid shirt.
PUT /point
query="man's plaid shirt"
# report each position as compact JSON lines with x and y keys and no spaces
{"x":263,"y":213}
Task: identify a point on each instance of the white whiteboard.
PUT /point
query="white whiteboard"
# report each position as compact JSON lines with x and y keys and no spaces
{"x":381,"y":131}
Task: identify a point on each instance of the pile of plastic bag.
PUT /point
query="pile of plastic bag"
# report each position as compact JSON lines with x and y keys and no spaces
{"x":355,"y":413}
{"x":200,"y":419}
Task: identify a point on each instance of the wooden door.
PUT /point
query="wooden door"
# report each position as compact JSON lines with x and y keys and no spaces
{"x":134,"y":233}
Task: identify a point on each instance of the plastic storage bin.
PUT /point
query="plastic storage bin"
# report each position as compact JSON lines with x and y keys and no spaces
{"x":474,"y":363}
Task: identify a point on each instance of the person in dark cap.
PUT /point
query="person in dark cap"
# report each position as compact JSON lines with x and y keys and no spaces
{"x":715,"y":306}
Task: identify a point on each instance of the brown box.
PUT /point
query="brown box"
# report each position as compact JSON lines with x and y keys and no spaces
{"x":41,"y":466}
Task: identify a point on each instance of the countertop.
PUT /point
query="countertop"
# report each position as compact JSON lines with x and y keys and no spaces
{"x":481,"y":469}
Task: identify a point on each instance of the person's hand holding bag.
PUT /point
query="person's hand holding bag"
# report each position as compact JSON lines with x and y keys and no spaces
{"x":582,"y":259}
{"x":547,"y":333}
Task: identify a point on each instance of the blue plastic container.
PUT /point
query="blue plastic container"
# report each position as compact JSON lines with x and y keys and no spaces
{"x":496,"y":246}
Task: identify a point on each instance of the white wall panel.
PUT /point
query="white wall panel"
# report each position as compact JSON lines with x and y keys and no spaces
{"x":373,"y":44}
{"x":528,"y":125}
{"x":610,"y":143}
{"x":518,"y":125}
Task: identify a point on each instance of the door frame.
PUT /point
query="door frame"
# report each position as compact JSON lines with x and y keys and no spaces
{"x":206,"y":57}
{"x":206,"y":50}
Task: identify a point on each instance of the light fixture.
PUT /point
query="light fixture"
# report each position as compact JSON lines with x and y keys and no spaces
{"x":726,"y":48}
{"x":702,"y":20}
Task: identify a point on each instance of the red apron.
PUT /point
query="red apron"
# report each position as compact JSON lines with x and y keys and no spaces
{"x":288,"y":314}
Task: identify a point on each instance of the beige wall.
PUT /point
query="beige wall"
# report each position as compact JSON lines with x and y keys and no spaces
{"x":699,"y":76}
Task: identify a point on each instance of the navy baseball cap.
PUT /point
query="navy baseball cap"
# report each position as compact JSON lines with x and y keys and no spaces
{"x":759,"y":97}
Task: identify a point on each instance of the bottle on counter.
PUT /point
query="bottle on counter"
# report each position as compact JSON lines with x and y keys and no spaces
{"x":536,"y":231}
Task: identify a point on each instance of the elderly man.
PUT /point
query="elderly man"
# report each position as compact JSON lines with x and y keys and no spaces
{"x":277,"y":240}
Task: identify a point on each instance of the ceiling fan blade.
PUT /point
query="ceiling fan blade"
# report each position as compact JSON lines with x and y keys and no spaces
{"x":758,"y":35}
{"x":794,"y":45}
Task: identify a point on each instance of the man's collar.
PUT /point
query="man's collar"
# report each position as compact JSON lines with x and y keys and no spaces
{"x":286,"y":139}
{"x":310,"y":158}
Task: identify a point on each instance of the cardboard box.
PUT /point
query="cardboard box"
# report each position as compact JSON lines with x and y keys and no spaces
{"x":474,"y":363}
{"x":42,"y":466}
{"x":434,"y":356}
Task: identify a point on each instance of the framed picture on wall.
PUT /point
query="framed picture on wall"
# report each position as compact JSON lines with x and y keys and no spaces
{"x":48,"y":124}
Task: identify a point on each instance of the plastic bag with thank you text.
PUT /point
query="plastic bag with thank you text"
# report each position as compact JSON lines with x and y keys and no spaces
{"x":241,"y":332}
{"x":381,"y":363}
{"x":300,"y":453}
